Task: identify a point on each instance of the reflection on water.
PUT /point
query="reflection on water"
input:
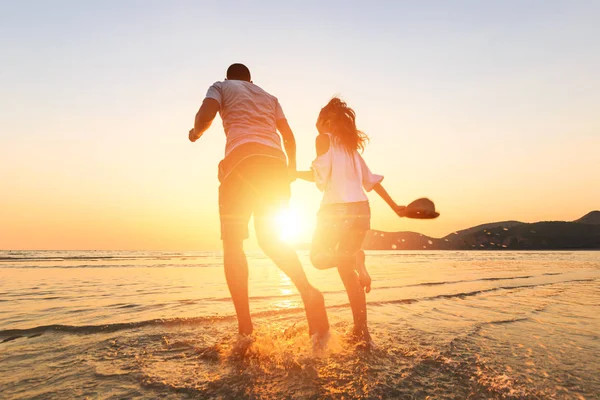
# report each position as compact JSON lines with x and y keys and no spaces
{"x":285,"y":284}
{"x":446,"y":325}
{"x":286,"y":289}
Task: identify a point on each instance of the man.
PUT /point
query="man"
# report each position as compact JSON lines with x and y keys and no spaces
{"x":255,"y":180}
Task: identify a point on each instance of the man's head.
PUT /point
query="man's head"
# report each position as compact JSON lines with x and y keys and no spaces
{"x":238,"y":72}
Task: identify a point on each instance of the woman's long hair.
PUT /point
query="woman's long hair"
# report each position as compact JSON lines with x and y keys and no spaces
{"x":342,"y":124}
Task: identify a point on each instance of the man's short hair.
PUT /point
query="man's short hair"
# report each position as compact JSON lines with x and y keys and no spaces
{"x":238,"y":72}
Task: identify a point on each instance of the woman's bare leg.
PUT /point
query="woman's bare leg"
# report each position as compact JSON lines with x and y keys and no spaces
{"x":358,"y":302}
{"x":347,"y":268}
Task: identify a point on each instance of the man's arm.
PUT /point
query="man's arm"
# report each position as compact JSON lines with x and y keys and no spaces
{"x":204,"y":117}
{"x":289,"y":142}
{"x":321,"y":146}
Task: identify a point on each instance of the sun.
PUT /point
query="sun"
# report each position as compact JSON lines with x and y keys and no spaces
{"x":292,"y":226}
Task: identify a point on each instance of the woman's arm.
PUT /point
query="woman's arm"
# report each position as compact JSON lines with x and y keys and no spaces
{"x":400,"y":210}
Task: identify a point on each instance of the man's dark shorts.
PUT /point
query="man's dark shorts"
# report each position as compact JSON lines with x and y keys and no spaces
{"x":259,"y":185}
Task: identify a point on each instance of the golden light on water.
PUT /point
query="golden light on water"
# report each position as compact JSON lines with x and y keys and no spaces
{"x":285,"y":290}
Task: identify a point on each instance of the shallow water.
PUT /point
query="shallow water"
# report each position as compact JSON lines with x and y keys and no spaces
{"x":154,"y":324}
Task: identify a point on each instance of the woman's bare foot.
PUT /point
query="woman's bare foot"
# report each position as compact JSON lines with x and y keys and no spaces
{"x":365,"y":280}
{"x":363,"y":276}
{"x":362,"y":338}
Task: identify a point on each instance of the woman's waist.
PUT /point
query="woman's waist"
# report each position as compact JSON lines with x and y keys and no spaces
{"x":345,"y":211}
{"x":344,"y":195}
{"x":354,"y":206}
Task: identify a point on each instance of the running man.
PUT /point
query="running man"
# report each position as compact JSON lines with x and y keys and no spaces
{"x":255,"y":179}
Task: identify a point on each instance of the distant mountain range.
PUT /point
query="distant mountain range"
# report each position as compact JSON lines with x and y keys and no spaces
{"x":581,"y":234}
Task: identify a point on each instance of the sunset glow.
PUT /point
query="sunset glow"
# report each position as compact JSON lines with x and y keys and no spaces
{"x":292,"y":227}
{"x":489,"y":112}
{"x":315,"y":199}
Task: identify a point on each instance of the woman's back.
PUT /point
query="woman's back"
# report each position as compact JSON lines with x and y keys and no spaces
{"x":342,"y":174}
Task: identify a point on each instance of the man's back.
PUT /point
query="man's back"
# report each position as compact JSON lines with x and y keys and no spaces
{"x":248,"y":112}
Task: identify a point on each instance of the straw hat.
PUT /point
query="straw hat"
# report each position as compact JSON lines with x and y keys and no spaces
{"x":422,"y":208}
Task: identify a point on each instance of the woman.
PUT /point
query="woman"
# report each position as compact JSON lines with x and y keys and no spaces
{"x":344,"y":217}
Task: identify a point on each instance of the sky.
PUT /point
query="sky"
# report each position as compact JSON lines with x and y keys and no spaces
{"x":489,"y":108}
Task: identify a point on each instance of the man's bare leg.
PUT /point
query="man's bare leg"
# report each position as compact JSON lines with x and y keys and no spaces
{"x":236,"y":274}
{"x":287,"y":260}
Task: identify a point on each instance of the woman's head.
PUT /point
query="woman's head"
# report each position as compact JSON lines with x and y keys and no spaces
{"x":340,"y":120}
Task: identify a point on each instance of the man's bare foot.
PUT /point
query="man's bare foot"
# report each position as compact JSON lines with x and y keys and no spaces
{"x":241,"y":345}
{"x":245,"y":329}
{"x":314,"y":304}
{"x":320,"y":341}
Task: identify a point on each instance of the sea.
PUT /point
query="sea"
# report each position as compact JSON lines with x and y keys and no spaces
{"x":161,"y":325}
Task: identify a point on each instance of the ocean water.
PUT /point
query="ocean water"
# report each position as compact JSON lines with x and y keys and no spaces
{"x":145,"y":325}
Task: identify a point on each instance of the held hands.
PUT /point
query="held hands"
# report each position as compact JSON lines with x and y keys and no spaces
{"x":292,"y":174}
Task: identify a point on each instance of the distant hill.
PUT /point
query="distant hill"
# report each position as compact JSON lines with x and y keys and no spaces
{"x":378,"y":240}
{"x":592,"y":217}
{"x":583,"y":233}
{"x":537,"y":236}
{"x":504,"y":224}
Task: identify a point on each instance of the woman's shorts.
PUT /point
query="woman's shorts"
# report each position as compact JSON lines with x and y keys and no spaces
{"x":341,"y":229}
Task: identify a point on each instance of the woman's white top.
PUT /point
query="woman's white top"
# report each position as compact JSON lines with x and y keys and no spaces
{"x":342,"y":175}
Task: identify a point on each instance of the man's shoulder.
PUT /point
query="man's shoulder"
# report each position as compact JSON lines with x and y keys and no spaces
{"x":252,"y":87}
{"x":217,"y":85}
{"x":215,"y":92}
{"x":261,"y":90}
{"x":235,"y":86}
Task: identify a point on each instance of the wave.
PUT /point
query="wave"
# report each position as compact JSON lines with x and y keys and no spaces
{"x":12,"y":334}
{"x":191,"y":265}
{"x":28,"y":257}
{"x":463,"y":295}
{"x":55,"y":258}
{"x":468,"y":280}
{"x":326,"y":292}
{"x":107,"y":328}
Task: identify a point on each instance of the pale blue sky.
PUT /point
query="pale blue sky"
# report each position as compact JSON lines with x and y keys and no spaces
{"x":488,"y":107}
